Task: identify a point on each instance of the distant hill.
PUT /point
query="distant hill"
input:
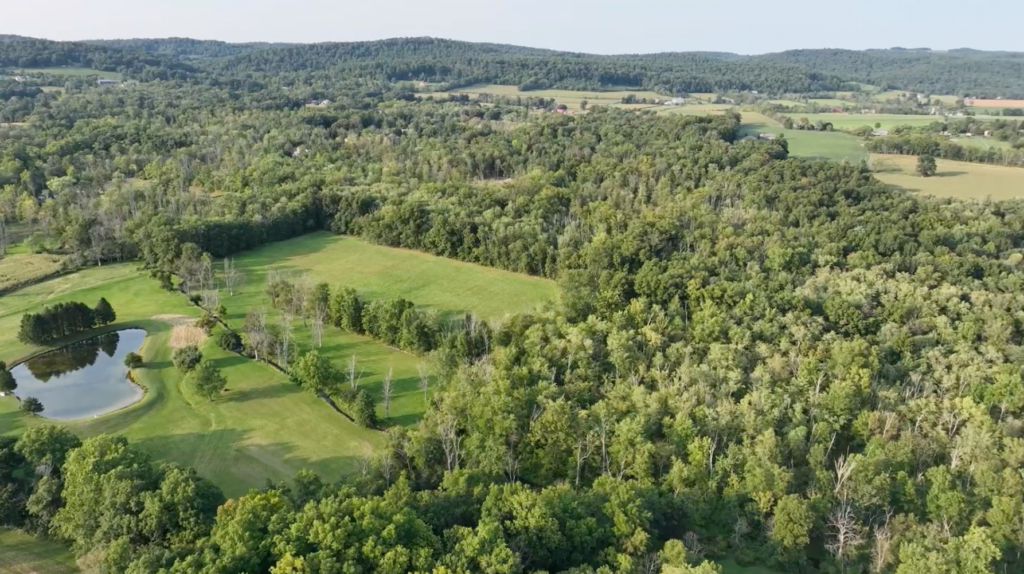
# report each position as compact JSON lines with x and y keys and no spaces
{"x":454,"y":64}
{"x":185,"y":47}
{"x":961,"y":72}
{"x":19,"y":52}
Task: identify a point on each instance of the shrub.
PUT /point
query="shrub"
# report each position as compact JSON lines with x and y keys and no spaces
{"x":32,"y":405}
{"x":133,"y":360}
{"x":229,"y":341}
{"x":208,"y":380}
{"x":206,"y":322}
{"x":186,"y":358}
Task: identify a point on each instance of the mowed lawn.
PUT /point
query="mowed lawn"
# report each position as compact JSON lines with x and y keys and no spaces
{"x":23,"y":554}
{"x":808,"y":144}
{"x":449,"y":287}
{"x":571,"y":98}
{"x":263,"y":428}
{"x":961,"y":180}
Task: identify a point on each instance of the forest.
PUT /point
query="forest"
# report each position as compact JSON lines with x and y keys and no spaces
{"x":771,"y":359}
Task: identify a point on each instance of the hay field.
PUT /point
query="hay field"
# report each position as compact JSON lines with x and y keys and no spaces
{"x":960,"y":180}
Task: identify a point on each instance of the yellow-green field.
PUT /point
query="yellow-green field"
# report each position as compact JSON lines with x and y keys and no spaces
{"x":62,"y":71}
{"x":810,"y":144}
{"x":19,"y":268}
{"x":263,"y":427}
{"x":444,"y":285}
{"x":956,"y":179}
{"x":23,"y":554}
{"x":570,"y":98}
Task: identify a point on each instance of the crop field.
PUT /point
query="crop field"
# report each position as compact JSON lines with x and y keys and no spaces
{"x":24,"y":554}
{"x":955,"y":179}
{"x":570,"y":98}
{"x":19,"y":268}
{"x":79,"y":72}
{"x":888,"y":121}
{"x":443,"y":285}
{"x":263,"y":427}
{"x":810,"y":144}
{"x":994,"y":103}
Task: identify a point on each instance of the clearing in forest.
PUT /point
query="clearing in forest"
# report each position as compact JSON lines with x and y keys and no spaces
{"x":263,"y":427}
{"x":449,"y":287}
{"x":571,"y":98}
{"x":808,"y":144}
{"x":957,"y":179}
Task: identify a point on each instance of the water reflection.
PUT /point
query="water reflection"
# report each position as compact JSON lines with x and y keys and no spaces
{"x":84,"y":379}
{"x":73,"y":357}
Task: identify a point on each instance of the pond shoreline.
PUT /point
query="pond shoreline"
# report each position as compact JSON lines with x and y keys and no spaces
{"x":83,"y":379}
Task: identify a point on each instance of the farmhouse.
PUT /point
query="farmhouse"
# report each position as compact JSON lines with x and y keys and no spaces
{"x":768,"y":137}
{"x":675,"y":102}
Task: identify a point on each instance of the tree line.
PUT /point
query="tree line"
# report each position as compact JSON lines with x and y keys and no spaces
{"x":63,"y":320}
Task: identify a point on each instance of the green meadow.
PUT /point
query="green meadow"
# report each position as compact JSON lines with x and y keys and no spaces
{"x":810,"y":144}
{"x":570,"y":98}
{"x":24,"y":554}
{"x":77,"y":72}
{"x":449,"y":287}
{"x":956,"y":179}
{"x":262,"y":427}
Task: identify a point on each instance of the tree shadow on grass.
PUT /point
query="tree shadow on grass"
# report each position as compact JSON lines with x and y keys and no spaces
{"x":230,"y":361}
{"x":236,"y":464}
{"x":272,"y":391}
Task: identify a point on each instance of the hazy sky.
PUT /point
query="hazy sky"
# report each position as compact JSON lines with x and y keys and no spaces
{"x":597,"y":26}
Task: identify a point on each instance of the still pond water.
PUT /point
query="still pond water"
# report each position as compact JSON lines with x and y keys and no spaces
{"x":82,"y":380}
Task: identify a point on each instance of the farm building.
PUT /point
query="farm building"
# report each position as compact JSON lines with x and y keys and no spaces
{"x":105,"y":82}
{"x":880,"y":133}
{"x":675,"y":102}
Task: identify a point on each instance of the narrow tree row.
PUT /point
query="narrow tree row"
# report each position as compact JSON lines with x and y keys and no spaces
{"x":63,"y":320}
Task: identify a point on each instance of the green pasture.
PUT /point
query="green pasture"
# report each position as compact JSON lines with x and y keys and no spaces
{"x":449,"y":287}
{"x":23,"y":554}
{"x":848,"y":121}
{"x":69,"y":71}
{"x":262,"y":427}
{"x":570,"y":98}
{"x":961,"y":180}
{"x":18,"y":267}
{"x":810,"y":144}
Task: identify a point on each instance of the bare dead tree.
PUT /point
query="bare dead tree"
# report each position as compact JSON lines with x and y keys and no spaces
{"x":232,"y":276}
{"x":353,"y":377}
{"x":512,"y":456}
{"x":882,"y":549}
{"x":317,"y":323}
{"x":844,"y":468}
{"x":387,"y":388}
{"x":302,"y":293}
{"x":584,"y":448}
{"x":386,"y":463}
{"x":845,"y":535}
{"x":448,"y":432}
{"x":256,"y":328}
{"x":424,"y":383}
{"x":285,"y":338}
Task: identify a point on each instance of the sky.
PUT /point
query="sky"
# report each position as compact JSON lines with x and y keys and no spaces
{"x":594,"y":26}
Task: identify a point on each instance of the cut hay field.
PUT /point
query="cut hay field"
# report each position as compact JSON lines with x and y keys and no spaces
{"x":809,"y":144}
{"x":570,"y":98}
{"x":888,"y":121}
{"x":78,"y":72}
{"x":263,"y":427}
{"x":955,"y":179}
{"x":975,"y":103}
{"x":435,"y":283}
{"x":19,"y":268}
{"x":23,"y":554}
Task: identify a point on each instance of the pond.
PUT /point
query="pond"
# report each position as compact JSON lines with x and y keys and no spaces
{"x":82,"y":380}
